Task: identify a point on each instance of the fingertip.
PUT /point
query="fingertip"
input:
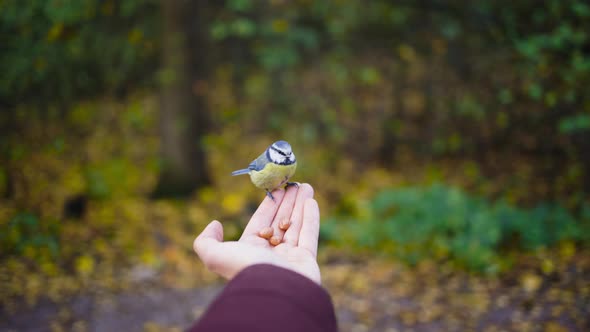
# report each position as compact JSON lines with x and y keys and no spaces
{"x":213,"y":231}
{"x":196,"y":244}
{"x":311,"y":202}
{"x":307,"y":188}
{"x":284,"y":224}
{"x":266,"y":232}
{"x":275,"y":240}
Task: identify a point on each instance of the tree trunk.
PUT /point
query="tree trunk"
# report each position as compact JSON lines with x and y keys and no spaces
{"x":183,"y":116}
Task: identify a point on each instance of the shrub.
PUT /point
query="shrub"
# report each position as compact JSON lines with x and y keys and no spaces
{"x":440,"y":222}
{"x":28,"y":236}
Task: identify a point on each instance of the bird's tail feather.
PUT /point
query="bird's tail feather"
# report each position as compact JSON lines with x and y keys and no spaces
{"x":240,"y":172}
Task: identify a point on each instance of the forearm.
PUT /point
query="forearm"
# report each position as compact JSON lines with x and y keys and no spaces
{"x":266,"y":298}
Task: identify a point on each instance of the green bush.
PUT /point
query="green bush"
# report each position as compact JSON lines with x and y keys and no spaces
{"x":26,"y":235}
{"x":60,"y":51}
{"x":439,"y":222}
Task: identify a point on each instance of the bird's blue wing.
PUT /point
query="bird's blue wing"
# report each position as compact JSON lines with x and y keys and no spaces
{"x":258,"y":163}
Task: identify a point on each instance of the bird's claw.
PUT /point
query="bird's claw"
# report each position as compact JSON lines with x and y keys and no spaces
{"x":269,"y":194}
{"x":292,"y":184}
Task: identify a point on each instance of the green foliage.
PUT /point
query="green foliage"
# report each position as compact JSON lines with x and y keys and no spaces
{"x":440,"y":222}
{"x":28,"y":236}
{"x":112,"y":178}
{"x":278,"y":35}
{"x":575,"y":123}
{"x":539,"y":50}
{"x":62,"y":50}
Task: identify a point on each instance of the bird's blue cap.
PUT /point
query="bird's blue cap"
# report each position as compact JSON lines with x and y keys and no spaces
{"x":282,"y":144}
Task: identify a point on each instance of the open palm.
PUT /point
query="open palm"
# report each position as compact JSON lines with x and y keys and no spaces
{"x":297,"y":246}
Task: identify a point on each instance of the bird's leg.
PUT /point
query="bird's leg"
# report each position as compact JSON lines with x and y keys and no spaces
{"x":269,"y":194}
{"x":288,"y":184}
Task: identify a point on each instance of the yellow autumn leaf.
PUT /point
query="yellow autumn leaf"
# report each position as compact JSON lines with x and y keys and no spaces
{"x":567,"y":249}
{"x":85,"y":265}
{"x":547,"y":266}
{"x":531,"y":282}
{"x":555,"y":327}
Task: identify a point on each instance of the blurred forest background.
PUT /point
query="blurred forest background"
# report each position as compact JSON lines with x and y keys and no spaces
{"x":450,"y":136}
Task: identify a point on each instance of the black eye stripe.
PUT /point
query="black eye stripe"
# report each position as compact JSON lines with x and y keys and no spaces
{"x":278,"y":151}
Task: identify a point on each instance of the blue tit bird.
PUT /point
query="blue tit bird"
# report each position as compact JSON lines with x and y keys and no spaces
{"x":273,"y":168}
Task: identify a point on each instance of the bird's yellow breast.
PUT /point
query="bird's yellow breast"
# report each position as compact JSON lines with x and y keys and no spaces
{"x":272,"y":176}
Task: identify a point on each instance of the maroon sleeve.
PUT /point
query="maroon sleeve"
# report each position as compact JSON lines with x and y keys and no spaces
{"x":269,"y":298}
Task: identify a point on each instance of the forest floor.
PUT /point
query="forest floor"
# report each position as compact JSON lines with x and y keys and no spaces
{"x":369,"y":295}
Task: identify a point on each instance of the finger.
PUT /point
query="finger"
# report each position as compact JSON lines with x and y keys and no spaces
{"x":282,"y":219}
{"x":310,"y":230}
{"x":292,"y":234}
{"x":206,"y":242}
{"x":264,"y":214}
{"x":266,"y":232}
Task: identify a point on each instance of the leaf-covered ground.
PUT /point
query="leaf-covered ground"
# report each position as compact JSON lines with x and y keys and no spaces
{"x":547,"y":291}
{"x":378,"y":295}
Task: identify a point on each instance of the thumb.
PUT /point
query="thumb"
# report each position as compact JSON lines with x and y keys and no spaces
{"x":209,"y":238}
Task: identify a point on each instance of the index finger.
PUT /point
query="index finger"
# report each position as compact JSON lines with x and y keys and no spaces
{"x":291,"y":236}
{"x":264,"y":214}
{"x":310,"y":229}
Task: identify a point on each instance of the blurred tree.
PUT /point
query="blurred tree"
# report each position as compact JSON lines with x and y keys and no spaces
{"x":54,"y":53}
{"x":183,"y":115}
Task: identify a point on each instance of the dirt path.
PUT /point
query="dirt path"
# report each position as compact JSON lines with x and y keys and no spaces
{"x":368,"y":295}
{"x":144,"y":309}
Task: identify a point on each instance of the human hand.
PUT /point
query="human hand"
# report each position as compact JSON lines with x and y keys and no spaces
{"x":297,"y":248}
